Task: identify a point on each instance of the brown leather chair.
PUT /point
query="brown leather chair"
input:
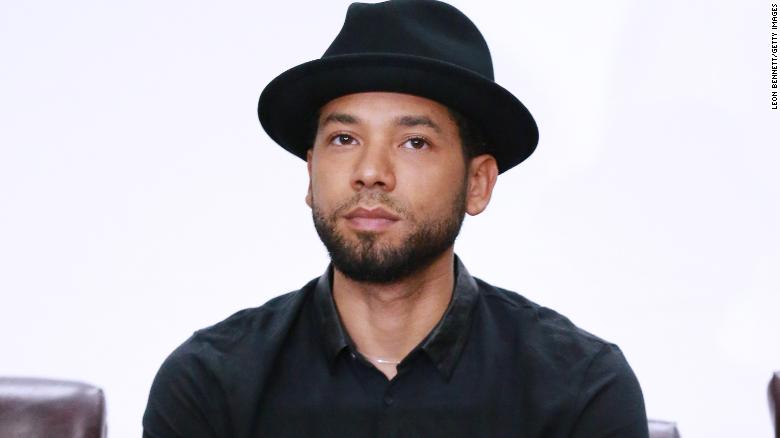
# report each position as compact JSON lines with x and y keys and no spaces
{"x":662,"y":429}
{"x":51,"y":408}
{"x":774,"y":401}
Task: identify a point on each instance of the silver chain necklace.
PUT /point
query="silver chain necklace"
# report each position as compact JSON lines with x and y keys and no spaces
{"x":381,"y":360}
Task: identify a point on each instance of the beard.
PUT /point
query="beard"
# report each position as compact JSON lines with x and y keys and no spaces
{"x":369,"y":260}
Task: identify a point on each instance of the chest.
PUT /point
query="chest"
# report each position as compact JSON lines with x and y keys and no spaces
{"x":357,"y":399}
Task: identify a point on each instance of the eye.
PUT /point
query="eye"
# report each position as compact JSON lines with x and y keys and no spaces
{"x":416,"y":142}
{"x":342,"y":139}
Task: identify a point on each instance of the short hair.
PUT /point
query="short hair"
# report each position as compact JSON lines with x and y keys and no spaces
{"x":472,"y":138}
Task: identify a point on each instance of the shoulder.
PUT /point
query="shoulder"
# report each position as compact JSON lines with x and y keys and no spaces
{"x":536,"y":322}
{"x":263,"y":322}
{"x":217,"y":364}
{"x":254,"y":326}
{"x":570,"y":365}
{"x":254,"y":332}
{"x":543,"y":337}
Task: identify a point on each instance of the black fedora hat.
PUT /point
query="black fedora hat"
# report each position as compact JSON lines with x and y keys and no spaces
{"x":421,"y":47}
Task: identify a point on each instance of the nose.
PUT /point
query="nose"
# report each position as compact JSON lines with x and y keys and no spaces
{"x":374,"y":168}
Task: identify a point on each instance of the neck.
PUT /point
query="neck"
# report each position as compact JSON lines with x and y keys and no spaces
{"x":389,"y":320}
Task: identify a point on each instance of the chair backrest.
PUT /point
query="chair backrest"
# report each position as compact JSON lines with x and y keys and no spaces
{"x":774,"y":401}
{"x":662,"y":429}
{"x":51,"y":408}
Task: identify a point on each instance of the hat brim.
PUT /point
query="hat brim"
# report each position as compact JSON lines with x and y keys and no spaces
{"x":288,"y":103}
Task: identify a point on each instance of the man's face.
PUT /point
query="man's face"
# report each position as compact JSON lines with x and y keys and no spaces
{"x":388,"y":184}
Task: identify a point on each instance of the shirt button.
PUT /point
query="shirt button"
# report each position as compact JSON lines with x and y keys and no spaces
{"x":388,"y":400}
{"x":352,"y":355}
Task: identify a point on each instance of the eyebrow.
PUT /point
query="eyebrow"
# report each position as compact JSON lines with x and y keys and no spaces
{"x":417,"y":121}
{"x":408,"y":121}
{"x":346,"y":119}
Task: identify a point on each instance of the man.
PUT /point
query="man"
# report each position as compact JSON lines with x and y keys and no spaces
{"x":403,"y":131}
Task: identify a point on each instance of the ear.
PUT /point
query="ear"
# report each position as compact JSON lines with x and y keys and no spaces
{"x":309,"y":155}
{"x":482,"y":175}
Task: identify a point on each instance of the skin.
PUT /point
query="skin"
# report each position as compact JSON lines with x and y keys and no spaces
{"x":421,"y":169}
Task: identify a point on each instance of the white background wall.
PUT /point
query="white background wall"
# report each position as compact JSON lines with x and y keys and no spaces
{"x":140,"y":199}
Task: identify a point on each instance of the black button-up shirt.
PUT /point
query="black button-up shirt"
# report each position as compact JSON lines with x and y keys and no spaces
{"x":495,"y":365}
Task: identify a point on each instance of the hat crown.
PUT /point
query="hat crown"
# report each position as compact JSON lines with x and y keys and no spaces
{"x":424,"y":28}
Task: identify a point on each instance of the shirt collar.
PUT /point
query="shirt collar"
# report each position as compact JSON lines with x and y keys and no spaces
{"x":443,"y":344}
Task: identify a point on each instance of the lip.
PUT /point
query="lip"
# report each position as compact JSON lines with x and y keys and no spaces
{"x":374,"y":213}
{"x":376,"y":219}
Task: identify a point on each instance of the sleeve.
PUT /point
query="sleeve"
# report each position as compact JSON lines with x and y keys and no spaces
{"x":185,"y":400}
{"x":610,"y":401}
